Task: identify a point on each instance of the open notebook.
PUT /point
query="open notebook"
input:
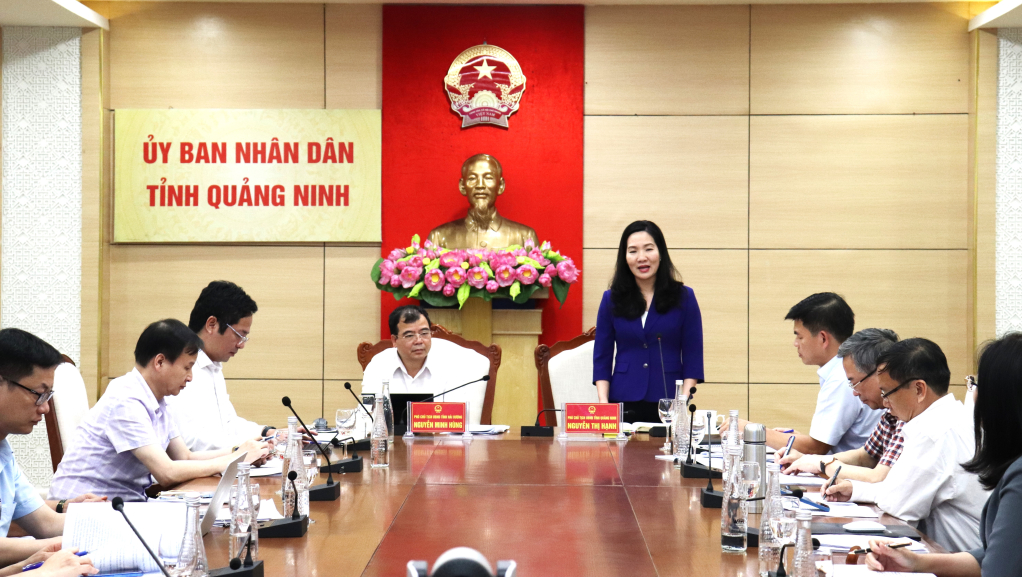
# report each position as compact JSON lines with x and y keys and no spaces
{"x":102,"y":531}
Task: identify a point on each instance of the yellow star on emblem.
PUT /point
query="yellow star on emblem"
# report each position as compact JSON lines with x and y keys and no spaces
{"x":485,"y":70}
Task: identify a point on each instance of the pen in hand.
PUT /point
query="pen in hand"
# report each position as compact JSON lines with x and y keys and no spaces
{"x":831,"y":480}
{"x":39,"y":564}
{"x":787,"y":448}
{"x":867,"y":550}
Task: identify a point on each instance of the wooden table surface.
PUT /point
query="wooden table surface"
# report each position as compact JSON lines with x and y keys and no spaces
{"x":556,"y":508}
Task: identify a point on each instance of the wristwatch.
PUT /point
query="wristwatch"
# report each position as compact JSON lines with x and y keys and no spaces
{"x":61,"y":504}
{"x":824,"y":463}
{"x":266,"y":429}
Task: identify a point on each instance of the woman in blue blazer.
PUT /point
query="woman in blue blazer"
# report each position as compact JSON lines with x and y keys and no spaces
{"x":650,"y":316}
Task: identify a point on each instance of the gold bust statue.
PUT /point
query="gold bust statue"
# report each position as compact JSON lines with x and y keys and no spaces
{"x":482,"y":181}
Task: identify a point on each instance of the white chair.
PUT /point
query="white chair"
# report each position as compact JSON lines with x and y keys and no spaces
{"x":68,"y":406}
{"x":472,"y":359}
{"x":566,"y":372}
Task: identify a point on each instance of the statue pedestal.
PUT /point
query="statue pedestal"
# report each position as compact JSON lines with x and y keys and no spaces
{"x":517,"y":332}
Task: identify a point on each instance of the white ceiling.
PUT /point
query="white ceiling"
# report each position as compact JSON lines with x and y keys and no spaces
{"x":49,"y":13}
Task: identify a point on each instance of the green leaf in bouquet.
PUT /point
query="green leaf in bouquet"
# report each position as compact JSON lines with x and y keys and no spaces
{"x":438,"y":299}
{"x":526,"y":260}
{"x":486,"y":267}
{"x":516,"y":288}
{"x":415,"y":239}
{"x":462,"y":294}
{"x":414,"y":293}
{"x":553,"y":256}
{"x":526,"y":293}
{"x":560,"y":290}
{"x":375,"y":272}
{"x":480,"y":294}
{"x":433,"y":263}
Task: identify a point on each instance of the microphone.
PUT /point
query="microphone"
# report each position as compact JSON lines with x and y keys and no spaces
{"x":538,"y":431}
{"x":688,"y":399}
{"x":239,"y":568}
{"x":291,"y":476}
{"x":663,"y":372}
{"x":691,"y":427}
{"x":330,"y":491}
{"x":358,"y":401}
{"x":780,"y":566}
{"x":710,"y":497}
{"x":118,"y":504}
{"x":545,"y":411}
{"x":428,"y":399}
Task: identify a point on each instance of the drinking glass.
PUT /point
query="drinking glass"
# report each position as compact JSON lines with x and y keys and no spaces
{"x":750,"y":479}
{"x":782,"y":518}
{"x":311,"y":466}
{"x":346,"y":420}
{"x":666,"y":409}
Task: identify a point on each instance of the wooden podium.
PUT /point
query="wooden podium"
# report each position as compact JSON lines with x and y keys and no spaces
{"x":517,"y":332}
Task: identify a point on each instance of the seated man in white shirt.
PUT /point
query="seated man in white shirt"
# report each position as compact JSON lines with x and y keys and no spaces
{"x":872,"y":461}
{"x":927,"y":485}
{"x":822,"y":322}
{"x":418,"y":364}
{"x":203,"y":412}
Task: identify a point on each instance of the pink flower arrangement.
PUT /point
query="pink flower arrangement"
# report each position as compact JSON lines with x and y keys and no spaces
{"x":444,"y":277}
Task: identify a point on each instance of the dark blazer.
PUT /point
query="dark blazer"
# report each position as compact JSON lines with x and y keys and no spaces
{"x":1000,"y":527}
{"x":636,"y":373}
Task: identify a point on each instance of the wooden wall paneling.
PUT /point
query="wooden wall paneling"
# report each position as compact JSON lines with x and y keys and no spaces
{"x":92,"y":227}
{"x":915,"y":293}
{"x":351,"y":309}
{"x":354,"y":56}
{"x":859,"y":59}
{"x":667,"y":60}
{"x":859,"y":182}
{"x":958,"y":391}
{"x":216,"y":55}
{"x":783,"y":405}
{"x":107,"y":224}
{"x":722,"y":397}
{"x":151,"y":282}
{"x":689,"y":174}
{"x":259,"y":400}
{"x":336,"y":397}
{"x":719,"y":279}
{"x":983,"y":182}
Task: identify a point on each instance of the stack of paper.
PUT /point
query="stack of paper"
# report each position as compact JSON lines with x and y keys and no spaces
{"x":845,"y":541}
{"x":272,"y":466}
{"x":856,"y":570}
{"x":488,"y":429}
{"x":267,"y":512}
{"x":804,"y":479}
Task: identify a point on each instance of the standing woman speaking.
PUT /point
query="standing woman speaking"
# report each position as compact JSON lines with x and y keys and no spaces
{"x":650,"y":315}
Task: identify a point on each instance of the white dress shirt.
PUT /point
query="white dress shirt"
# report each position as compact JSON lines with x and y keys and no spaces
{"x":447,"y":366}
{"x":928,"y":482}
{"x":841,"y":420}
{"x":203,"y":411}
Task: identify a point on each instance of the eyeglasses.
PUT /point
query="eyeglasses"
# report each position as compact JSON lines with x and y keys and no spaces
{"x":40,"y":398}
{"x":424,"y":334}
{"x":862,"y":380}
{"x":243,"y":339}
{"x":970,"y":383}
{"x":884,"y":395}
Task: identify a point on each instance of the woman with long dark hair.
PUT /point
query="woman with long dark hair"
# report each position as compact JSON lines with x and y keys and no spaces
{"x":649,"y":315}
{"x":998,"y":421}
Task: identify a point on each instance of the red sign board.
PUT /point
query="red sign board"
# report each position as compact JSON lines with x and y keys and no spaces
{"x":438,"y":417}
{"x":592,"y":418}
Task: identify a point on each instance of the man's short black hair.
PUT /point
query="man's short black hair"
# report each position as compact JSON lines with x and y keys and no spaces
{"x":170,"y":338}
{"x":21,"y":352}
{"x":222,"y":299}
{"x":824,"y":312}
{"x":406,"y":314}
{"x":917,"y":359}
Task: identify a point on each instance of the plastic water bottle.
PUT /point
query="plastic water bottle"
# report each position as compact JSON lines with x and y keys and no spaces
{"x":682,"y":422}
{"x":296,"y":463}
{"x":734,"y":439}
{"x":804,"y":565}
{"x":191,"y":561}
{"x":244,"y":525}
{"x":292,"y":428}
{"x":733,"y":520}
{"x":769,"y":545}
{"x":388,"y":411}
{"x":379,"y":443}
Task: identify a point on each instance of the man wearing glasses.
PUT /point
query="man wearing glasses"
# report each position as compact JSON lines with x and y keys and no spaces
{"x":927,"y":485}
{"x":874,"y":459}
{"x":27,"y":365}
{"x":203,"y":413}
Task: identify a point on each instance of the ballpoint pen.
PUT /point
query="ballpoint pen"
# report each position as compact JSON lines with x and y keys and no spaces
{"x":39,"y":564}
{"x":867,"y":550}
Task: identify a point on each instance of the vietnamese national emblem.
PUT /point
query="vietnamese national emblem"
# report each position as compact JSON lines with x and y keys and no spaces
{"x":485,"y":84}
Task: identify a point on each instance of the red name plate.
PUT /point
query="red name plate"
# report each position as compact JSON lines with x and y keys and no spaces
{"x":438,"y":417}
{"x":592,"y":418}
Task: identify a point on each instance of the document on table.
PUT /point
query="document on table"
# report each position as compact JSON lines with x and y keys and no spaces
{"x":861,"y":569}
{"x":845,"y":541}
{"x":488,"y":429}
{"x":804,"y":479}
{"x":102,"y":531}
{"x":267,"y":512}
{"x":273,"y":466}
{"x":852,"y":510}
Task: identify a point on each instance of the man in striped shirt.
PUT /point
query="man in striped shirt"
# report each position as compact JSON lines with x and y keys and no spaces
{"x":874,"y":459}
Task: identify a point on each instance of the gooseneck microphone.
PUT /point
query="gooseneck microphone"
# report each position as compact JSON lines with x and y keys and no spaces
{"x":330,"y":491}
{"x":118,"y":504}
{"x":291,"y":476}
{"x":358,"y":402}
{"x":663,"y":371}
{"x":545,"y":411}
{"x":484,"y":378}
{"x":691,"y":428}
{"x":330,"y":477}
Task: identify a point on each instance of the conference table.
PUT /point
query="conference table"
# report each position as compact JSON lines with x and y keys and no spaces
{"x":585,"y":508}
